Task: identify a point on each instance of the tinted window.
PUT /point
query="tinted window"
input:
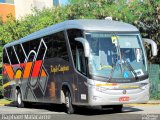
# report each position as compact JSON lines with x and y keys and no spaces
{"x":34,"y":45}
{"x":51,"y":47}
{"x":5,"y":58}
{"x":20,"y":53}
{"x":80,"y":58}
{"x":12,"y":55}
{"x":31,"y":46}
{"x":72,"y":34}
{"x":42,"y":51}
{"x":26,"y":47}
{"x":56,"y":46}
{"x":62,"y":48}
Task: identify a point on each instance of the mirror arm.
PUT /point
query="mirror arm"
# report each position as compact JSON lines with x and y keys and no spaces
{"x":85,"y":45}
{"x":153,"y":45}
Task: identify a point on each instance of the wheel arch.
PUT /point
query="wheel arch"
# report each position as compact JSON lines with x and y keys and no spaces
{"x":19,"y":88}
{"x":66,"y":86}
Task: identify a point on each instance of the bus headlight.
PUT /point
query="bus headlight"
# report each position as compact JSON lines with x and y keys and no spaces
{"x":101,"y":89}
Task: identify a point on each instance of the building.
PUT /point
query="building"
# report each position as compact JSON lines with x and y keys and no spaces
{"x":23,"y":7}
{"x":19,"y":8}
{"x":6,"y":8}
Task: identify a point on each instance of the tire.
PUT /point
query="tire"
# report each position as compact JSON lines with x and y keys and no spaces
{"x":68,"y":102}
{"x":117,"y":108}
{"x":20,"y":103}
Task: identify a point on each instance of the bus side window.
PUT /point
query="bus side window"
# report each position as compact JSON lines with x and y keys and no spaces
{"x":80,"y":58}
{"x":12,"y":56}
{"x":41,"y":53}
{"x":62,"y":46}
{"x":5,"y":57}
{"x":26,"y":47}
{"x":51,"y":47}
{"x":37,"y":46}
{"x":56,"y":46}
{"x":72,"y":34}
{"x":20,"y":53}
{"x":34,"y":44}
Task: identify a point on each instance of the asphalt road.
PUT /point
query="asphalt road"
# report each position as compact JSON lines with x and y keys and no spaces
{"x":57,"y":112}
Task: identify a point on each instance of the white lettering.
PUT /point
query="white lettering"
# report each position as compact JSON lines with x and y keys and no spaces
{"x":25,"y":117}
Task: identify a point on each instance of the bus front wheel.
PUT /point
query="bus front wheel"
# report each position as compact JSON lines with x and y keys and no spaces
{"x":19,"y":101}
{"x":68,"y":103}
{"x":117,"y":108}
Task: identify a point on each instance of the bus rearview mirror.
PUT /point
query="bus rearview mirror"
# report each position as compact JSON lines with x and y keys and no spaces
{"x":153,"y":45}
{"x":85,"y":45}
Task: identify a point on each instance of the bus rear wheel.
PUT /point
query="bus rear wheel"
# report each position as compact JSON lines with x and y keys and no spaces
{"x":19,"y":101}
{"x":68,"y":102}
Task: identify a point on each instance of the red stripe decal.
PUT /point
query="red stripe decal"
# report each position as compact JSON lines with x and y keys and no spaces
{"x":9,"y":71}
{"x":36,"y":68}
{"x":27,"y":70}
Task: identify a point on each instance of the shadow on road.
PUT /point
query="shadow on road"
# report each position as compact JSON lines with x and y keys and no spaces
{"x":43,"y":106}
{"x":91,"y":111}
{"x":79,"y":110}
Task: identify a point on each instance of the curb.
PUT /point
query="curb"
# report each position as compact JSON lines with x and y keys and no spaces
{"x":2,"y":104}
{"x":153,"y":102}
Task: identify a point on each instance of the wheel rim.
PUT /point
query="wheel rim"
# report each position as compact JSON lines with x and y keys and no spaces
{"x":19,"y":98}
{"x":67,"y":102}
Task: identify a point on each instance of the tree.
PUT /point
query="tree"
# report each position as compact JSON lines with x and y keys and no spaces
{"x":134,"y":13}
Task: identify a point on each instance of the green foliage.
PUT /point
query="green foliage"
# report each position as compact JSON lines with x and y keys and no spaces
{"x":143,"y":15}
{"x":1,"y":91}
{"x":156,"y":97}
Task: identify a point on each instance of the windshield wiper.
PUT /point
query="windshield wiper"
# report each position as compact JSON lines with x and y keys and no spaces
{"x":119,"y":53}
{"x":129,"y":66}
{"x":117,"y":59}
{"x":120,"y":57}
{"x":113,"y":66}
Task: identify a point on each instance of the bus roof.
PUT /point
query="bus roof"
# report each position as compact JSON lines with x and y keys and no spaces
{"x":84,"y":24}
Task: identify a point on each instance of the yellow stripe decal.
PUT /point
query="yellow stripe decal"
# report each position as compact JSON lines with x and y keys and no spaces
{"x":6,"y":84}
{"x":108,"y":84}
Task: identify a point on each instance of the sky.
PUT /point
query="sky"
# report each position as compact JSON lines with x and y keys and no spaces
{"x":64,"y":2}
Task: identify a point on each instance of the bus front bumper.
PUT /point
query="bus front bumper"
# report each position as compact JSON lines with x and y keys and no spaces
{"x":102,"y":96}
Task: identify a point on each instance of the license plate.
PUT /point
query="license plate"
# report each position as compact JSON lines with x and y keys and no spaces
{"x":121,"y":99}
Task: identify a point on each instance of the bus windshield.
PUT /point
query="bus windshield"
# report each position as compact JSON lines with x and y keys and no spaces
{"x":116,"y":55}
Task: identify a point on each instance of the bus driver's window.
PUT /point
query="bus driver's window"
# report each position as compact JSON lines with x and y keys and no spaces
{"x":80,"y":58}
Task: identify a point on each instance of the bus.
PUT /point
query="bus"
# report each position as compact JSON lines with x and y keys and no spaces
{"x":85,"y":62}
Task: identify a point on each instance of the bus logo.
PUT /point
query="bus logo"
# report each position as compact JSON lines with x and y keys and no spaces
{"x":124,"y":92}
